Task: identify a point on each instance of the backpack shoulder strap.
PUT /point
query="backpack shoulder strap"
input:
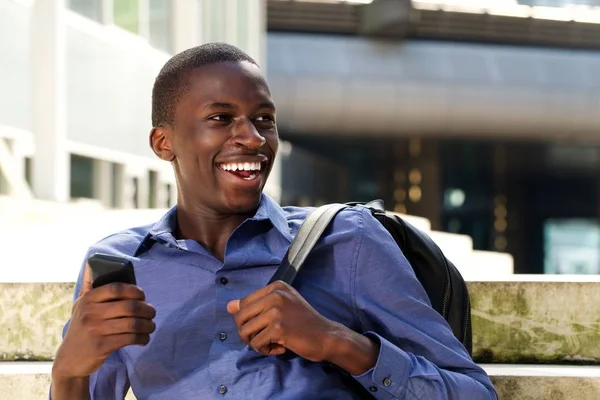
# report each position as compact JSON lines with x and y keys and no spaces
{"x":309,"y":233}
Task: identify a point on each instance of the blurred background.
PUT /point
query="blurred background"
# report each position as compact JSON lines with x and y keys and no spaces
{"x":478,"y":118}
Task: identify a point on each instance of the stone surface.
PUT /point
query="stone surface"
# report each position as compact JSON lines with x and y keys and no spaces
{"x":541,"y":322}
{"x":32,"y":317}
{"x":28,"y":380}
{"x":529,"y":321}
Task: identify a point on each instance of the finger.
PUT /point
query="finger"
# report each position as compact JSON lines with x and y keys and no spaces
{"x":126,"y":308}
{"x":109,"y":344}
{"x":260,"y":293}
{"x":115,"y":291}
{"x":275,"y":300}
{"x":266,"y":343}
{"x":251,"y":311}
{"x":127,"y":325}
{"x":86,"y":284}
{"x":233,"y":307}
{"x":254,"y":326}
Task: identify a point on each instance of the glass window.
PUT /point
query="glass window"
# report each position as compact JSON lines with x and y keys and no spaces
{"x":136,"y":190}
{"x":572,"y":246}
{"x":126,"y":14}
{"x":160,"y":14}
{"x":28,"y":170}
{"x":3,"y":184}
{"x":82,"y":177}
{"x":87,"y":8}
{"x":116,"y":189}
{"x":169,"y":198}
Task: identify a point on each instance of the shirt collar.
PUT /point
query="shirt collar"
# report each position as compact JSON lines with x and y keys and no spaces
{"x":269,"y":210}
{"x":163,"y":229}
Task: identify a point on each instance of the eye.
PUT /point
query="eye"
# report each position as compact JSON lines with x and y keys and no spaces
{"x":265,"y":119}
{"x":220,"y":118}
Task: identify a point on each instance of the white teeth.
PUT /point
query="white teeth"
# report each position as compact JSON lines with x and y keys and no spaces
{"x":250,"y":177}
{"x":253,"y":166}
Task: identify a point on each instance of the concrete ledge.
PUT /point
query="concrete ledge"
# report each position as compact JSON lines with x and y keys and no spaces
{"x":532,"y":382}
{"x":530,"y":321}
{"x":32,"y":319}
{"x":28,"y":380}
{"x":31,"y":380}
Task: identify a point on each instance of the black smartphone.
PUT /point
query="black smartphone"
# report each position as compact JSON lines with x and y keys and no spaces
{"x":108,"y":269}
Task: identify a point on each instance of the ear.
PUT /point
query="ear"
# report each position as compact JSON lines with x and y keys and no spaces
{"x":161,"y":143}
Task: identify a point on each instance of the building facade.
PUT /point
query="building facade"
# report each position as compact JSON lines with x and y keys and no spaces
{"x":76,"y":90}
{"x":481,"y":117}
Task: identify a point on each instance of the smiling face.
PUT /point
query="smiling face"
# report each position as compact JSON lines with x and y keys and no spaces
{"x":223,"y":139}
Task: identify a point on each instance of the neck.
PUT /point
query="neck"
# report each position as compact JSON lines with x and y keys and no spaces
{"x":208,"y":228}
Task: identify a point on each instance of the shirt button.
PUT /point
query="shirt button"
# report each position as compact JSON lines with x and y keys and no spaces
{"x":222,"y":336}
{"x":224,"y":281}
{"x":373,"y":388}
{"x":222,"y":389}
{"x":387,"y":382}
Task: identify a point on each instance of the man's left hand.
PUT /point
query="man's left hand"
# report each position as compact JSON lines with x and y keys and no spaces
{"x":276,"y":318}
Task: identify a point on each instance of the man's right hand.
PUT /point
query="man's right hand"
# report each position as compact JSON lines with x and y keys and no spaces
{"x":103,"y":320}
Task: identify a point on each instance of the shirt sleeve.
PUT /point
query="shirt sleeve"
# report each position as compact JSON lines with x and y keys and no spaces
{"x":111,"y":380}
{"x":419,"y":357}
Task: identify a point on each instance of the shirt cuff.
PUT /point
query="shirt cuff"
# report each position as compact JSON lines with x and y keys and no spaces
{"x":386,"y":380}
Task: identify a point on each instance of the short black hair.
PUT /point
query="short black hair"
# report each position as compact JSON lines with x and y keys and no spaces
{"x":169,"y":85}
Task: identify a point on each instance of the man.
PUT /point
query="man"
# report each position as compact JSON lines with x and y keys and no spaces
{"x":358,"y":322}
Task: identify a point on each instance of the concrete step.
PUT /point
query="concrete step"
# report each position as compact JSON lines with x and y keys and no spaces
{"x":546,"y":319}
{"x":457,"y":248}
{"x":28,"y":380}
{"x":489,"y":265}
{"x":31,"y":380}
{"x":545,"y":382}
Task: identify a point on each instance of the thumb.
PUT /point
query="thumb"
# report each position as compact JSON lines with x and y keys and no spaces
{"x":233,"y":306}
{"x":86,"y":282}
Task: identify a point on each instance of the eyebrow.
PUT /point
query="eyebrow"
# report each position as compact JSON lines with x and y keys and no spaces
{"x":230,"y":106}
{"x":219,"y":105}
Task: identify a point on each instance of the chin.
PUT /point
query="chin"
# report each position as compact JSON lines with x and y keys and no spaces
{"x":243,"y":203}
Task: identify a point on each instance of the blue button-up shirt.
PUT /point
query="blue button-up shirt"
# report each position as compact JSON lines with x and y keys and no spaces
{"x":356,"y":275}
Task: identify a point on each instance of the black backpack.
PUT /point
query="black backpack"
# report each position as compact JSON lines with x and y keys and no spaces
{"x":443,"y":283}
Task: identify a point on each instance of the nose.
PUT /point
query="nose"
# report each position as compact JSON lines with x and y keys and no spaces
{"x":246,"y":135}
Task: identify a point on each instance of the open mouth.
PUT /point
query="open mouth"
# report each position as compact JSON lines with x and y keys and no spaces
{"x":247,"y":170}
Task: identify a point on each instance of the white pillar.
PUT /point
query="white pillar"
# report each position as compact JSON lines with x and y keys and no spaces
{"x":51,"y":166}
{"x":144,"y":18}
{"x":107,"y":12}
{"x":103,"y":182}
{"x":19,"y":160}
{"x":185,"y":24}
{"x":258,"y":35}
{"x":143,"y":190}
{"x":173,"y":194}
{"x":161,"y":190}
{"x":273,"y":185}
{"x":230,"y":22}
